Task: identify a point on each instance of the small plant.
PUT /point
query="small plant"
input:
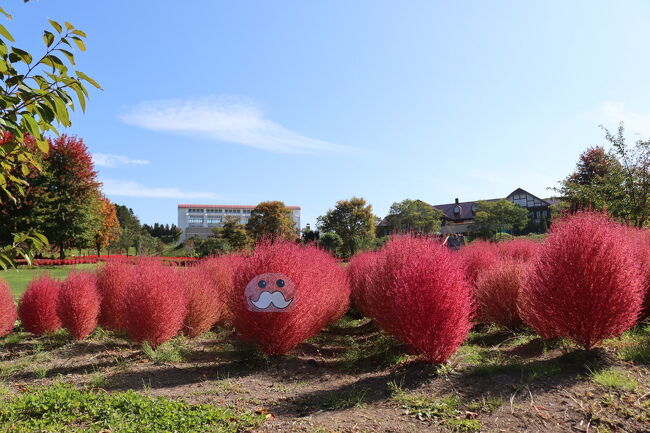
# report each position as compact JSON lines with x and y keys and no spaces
{"x":497,"y":290}
{"x":78,"y":304}
{"x":613,"y":378}
{"x":424,"y":408}
{"x":7,"y":309}
{"x":112,"y":281}
{"x":205,"y":302}
{"x":40,"y":372}
{"x":37,"y":307}
{"x":170,"y":351}
{"x":344,"y":400}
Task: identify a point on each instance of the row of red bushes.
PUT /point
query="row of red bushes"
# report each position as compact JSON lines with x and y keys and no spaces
{"x":586,"y":282}
{"x":178,"y":261}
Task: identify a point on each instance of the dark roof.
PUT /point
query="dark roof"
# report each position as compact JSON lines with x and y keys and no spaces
{"x":465,"y":209}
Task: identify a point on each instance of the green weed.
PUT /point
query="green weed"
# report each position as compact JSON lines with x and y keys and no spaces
{"x":613,"y":378}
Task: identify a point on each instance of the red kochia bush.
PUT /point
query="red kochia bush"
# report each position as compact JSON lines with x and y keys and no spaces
{"x":7,"y":309}
{"x":37,"y":307}
{"x":521,"y":250}
{"x":477,"y":257}
{"x":585,"y":284}
{"x":221,"y":270}
{"x":112,"y":281}
{"x":319,"y":291}
{"x":497,"y":291}
{"x":641,"y":241}
{"x":204,"y":301}
{"x":78,"y":304}
{"x":360,"y":271}
{"x":419,"y":294}
{"x":155,"y":303}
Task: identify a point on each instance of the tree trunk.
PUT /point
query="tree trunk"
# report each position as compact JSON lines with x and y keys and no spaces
{"x":62,"y":251}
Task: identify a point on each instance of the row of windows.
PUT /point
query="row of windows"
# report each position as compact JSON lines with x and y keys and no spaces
{"x":212,"y":220}
{"x":230,"y":211}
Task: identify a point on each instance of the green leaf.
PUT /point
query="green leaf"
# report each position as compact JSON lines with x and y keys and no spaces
{"x":56,"y":26}
{"x":24,"y":55}
{"x":9,"y":17}
{"x":43,"y":145}
{"x":68,"y":54}
{"x":31,"y":125}
{"x":85,"y":77}
{"x":4,"y":32}
{"x":79,"y":42}
{"x":79,"y":33}
{"x":61,"y":112}
{"x":81,"y":97}
{"x":69,"y":26}
{"x":48,"y":37}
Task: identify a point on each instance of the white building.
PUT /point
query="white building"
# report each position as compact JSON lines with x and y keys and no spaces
{"x":200,"y":219}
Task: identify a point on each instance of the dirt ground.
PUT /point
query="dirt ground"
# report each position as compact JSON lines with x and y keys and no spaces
{"x":351,"y":378}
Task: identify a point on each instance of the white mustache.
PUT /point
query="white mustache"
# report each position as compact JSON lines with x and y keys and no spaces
{"x":267,"y":298}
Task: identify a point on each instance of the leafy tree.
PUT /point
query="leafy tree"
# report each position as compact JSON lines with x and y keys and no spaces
{"x":413,"y":216}
{"x":131,"y":229}
{"x":36,"y":94}
{"x":273,"y":220}
{"x":110,"y":229}
{"x":492,"y":217}
{"x":353,"y":221}
{"x":164,"y":232}
{"x":331,"y":242}
{"x":309,"y":235}
{"x":234,"y":233}
{"x":211,"y":246}
{"x":617,"y":181}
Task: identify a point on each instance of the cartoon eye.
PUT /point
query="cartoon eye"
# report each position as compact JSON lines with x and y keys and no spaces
{"x":262,"y":284}
{"x":279,"y":283}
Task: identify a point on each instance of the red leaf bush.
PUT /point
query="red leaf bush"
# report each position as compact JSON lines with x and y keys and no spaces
{"x":205,"y":302}
{"x":78,"y":304}
{"x":521,"y":250}
{"x":321,"y":295}
{"x":585,"y":284}
{"x":112,"y":281}
{"x":419,"y":295}
{"x":155,"y":303}
{"x":221,"y":271}
{"x":641,"y":240}
{"x":37,"y":306}
{"x":477,"y":257}
{"x":360,"y":272}
{"x":7,"y":309}
{"x":497,"y":291}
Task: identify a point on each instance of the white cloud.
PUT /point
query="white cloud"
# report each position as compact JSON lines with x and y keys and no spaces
{"x":128,"y":188}
{"x":228,"y":119}
{"x":612,"y":113}
{"x":109,"y":160}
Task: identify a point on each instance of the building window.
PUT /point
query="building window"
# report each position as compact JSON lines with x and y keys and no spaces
{"x":214,"y":220}
{"x":195,"y":220}
{"x":456,"y":210}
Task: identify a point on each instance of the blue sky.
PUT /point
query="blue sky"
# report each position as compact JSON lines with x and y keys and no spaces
{"x":313,"y":102}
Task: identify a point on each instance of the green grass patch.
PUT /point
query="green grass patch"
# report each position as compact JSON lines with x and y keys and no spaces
{"x":614,"y":378}
{"x":170,"y":351}
{"x":64,"y":409}
{"x":344,"y":400}
{"x":380,"y":350}
{"x":18,"y":279}
{"x":634,"y":345}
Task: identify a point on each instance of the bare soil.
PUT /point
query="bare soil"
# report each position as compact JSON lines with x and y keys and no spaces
{"x":350,"y":378}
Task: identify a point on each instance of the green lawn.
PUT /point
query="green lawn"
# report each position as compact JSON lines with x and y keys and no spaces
{"x":18,"y":279}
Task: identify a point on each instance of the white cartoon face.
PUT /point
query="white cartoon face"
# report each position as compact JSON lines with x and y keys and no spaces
{"x":270,"y":293}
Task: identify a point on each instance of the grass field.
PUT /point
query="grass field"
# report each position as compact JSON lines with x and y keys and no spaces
{"x":18,"y":279}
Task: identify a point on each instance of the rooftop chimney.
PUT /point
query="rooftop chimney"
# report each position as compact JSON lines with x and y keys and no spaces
{"x":456,"y":201}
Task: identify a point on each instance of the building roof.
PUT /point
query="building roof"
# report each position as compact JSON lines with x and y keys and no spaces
{"x":466,"y":211}
{"x":226,"y":206}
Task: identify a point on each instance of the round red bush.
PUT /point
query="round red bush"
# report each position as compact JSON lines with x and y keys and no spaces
{"x":205,"y":302}
{"x":112,"y":282}
{"x":221,"y":270}
{"x":477,"y":257}
{"x":641,"y":244}
{"x":155,"y":303}
{"x":313,"y":284}
{"x":521,"y":250}
{"x":37,"y":306}
{"x":419,"y":295}
{"x":584,"y":284}
{"x":360,"y":272}
{"x":497,"y":291}
{"x":78,"y":304}
{"x":7,"y":309}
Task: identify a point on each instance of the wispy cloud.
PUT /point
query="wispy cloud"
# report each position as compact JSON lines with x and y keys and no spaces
{"x":612,"y":113}
{"x":229,"y":119}
{"x":126,"y":188}
{"x":109,"y":160}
